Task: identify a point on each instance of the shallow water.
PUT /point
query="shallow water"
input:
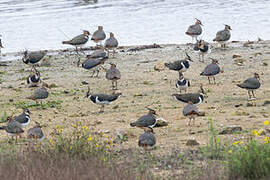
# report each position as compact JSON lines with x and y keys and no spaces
{"x":43,"y":24}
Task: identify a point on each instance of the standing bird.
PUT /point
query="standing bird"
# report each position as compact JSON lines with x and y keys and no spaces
{"x":147,"y":139}
{"x":33,"y":57}
{"x":195,"y":98}
{"x":211,"y":70}
{"x":35,"y":132}
{"x":111,"y":43}
{"x":13,"y":128}
{"x":182,"y":83}
{"x":102,"y":99}
{"x":39,"y":94}
{"x":113,"y":74}
{"x":79,"y":40}
{"x":34,"y":79}
{"x":94,"y":64}
{"x":195,"y":30}
{"x":181,"y":65}
{"x":223,"y":36}
{"x":23,"y":118}
{"x":1,"y":46}
{"x":99,"y":35}
{"x":147,"y":121}
{"x":202,"y":48}
{"x":251,"y":84}
{"x":190,"y":111}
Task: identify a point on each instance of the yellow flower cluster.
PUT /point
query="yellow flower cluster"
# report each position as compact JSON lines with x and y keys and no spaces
{"x":266,"y":123}
{"x":266,"y":140}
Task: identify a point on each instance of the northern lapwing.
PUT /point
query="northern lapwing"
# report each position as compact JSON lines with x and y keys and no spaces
{"x":223,"y":36}
{"x":182,"y":83}
{"x":147,"y":121}
{"x":113,"y":74}
{"x":102,"y":99}
{"x":195,"y":30}
{"x":195,"y":98}
{"x":99,"y":35}
{"x":202,"y":48}
{"x":79,"y":40}
{"x":24,"y":118}
{"x":147,"y":139}
{"x":35,"y":132}
{"x":211,"y":70}
{"x":13,"y":128}
{"x":39,"y":94}
{"x":33,"y":57}
{"x":190,"y":111}
{"x":34,"y":79}
{"x":93,"y":64}
{"x":251,"y":84}
{"x":181,"y":65}
{"x":111,"y":43}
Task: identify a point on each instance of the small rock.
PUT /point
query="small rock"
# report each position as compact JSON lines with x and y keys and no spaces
{"x":236,"y":56}
{"x":201,"y":114}
{"x":267,"y":102}
{"x":53,"y":85}
{"x":161,"y":122}
{"x":192,"y":142}
{"x":265,"y":64}
{"x":231,"y":129}
{"x":11,"y":100}
{"x":257,"y":54}
{"x":84,"y":83}
{"x":239,"y":61}
{"x":159,"y":66}
{"x":238,"y":105}
{"x":115,"y":107}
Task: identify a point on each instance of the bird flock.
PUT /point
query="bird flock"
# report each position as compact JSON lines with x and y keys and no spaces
{"x":95,"y":61}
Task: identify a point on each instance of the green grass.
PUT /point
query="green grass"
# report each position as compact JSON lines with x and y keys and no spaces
{"x":44,"y":105}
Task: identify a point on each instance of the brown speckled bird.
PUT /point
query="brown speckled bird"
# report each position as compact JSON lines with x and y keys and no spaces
{"x":113,"y":74}
{"x":190,"y":111}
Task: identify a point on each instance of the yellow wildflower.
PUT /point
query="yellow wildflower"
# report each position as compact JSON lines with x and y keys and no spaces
{"x":60,"y":131}
{"x":245,"y":147}
{"x":108,"y":146}
{"x":241,"y":142}
{"x":74,"y":125}
{"x":230,"y":151}
{"x":266,"y":123}
{"x":89,"y":138}
{"x":235,"y":143}
{"x":97,"y":145}
{"x":266,"y":140}
{"x":70,"y":147}
{"x":85,"y":127}
{"x":111,"y":141}
{"x":255,"y":133}
{"x":57,"y":126}
{"x":51,"y":141}
{"x":102,"y":133}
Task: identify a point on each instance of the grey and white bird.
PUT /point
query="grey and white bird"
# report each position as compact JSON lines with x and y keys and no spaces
{"x":182,"y":83}
{"x":102,"y":99}
{"x":195,"y":30}
{"x":181,"y":65}
{"x":111,"y":43}
{"x":211,"y":70}
{"x":34,"y":79}
{"x":13,"y":128}
{"x":99,"y":35}
{"x":33,"y":57}
{"x":202,"y":48}
{"x":251,"y":84}
{"x":147,"y":121}
{"x":223,"y":36}
{"x":79,"y":40}
{"x":39,"y":94}
{"x":147,"y":139}
{"x":24,"y":118}
{"x":113,"y":74}
{"x":93,"y":64}
{"x":35,"y":132}
{"x":195,"y":98}
{"x":190,"y":111}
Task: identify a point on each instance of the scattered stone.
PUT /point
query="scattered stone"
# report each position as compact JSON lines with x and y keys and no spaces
{"x":97,"y":122}
{"x":265,"y":64}
{"x":84,"y":83}
{"x":159,"y":66}
{"x":11,"y":100}
{"x":257,"y":54}
{"x":241,"y":113}
{"x":267,"y":130}
{"x":139,"y":48}
{"x":201,"y":114}
{"x":267,"y":102}
{"x":161,"y":122}
{"x":236,"y":56}
{"x":238,"y":105}
{"x":250,"y":104}
{"x":115,"y":107}
{"x":239,"y":61}
{"x":53,"y":85}
{"x":192,"y":142}
{"x":231,"y":129}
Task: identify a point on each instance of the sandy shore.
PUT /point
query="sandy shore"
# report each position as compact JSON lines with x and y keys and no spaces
{"x":142,"y":86}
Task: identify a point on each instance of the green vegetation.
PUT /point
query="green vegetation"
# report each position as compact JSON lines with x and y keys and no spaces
{"x":45,"y":105}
